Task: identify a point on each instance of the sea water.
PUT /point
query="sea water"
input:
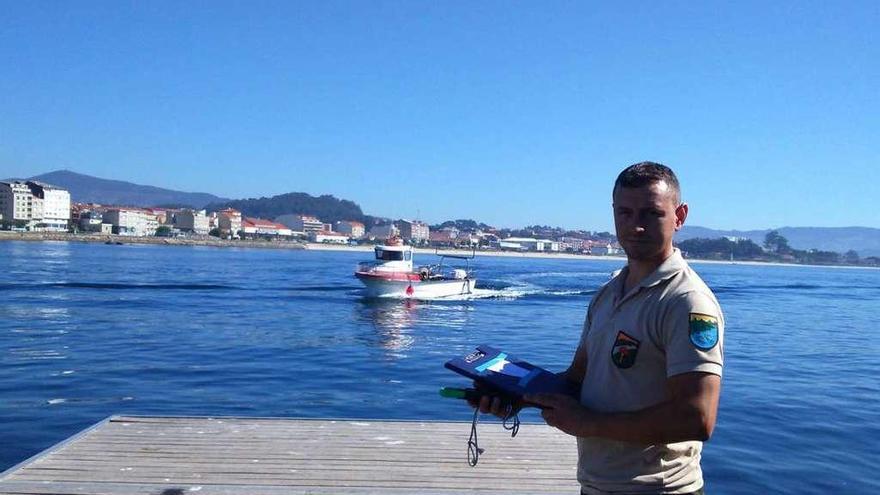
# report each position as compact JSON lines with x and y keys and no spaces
{"x":90,"y":330}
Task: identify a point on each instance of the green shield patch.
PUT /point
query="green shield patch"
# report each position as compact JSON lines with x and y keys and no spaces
{"x":703,"y":331}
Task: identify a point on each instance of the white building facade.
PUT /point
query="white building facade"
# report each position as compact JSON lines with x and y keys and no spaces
{"x":529,"y":244}
{"x":192,"y":221}
{"x":34,"y":205}
{"x":383,"y":231}
{"x":302,"y":223}
{"x":132,"y":222}
{"x":351,"y":228}
{"x":53,"y":204}
{"x":258,"y":227}
{"x":328,"y":238}
{"x":413,"y":230}
{"x":16,"y":202}
{"x":229,"y":221}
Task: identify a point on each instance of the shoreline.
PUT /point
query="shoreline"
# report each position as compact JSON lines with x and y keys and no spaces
{"x":158,"y":241}
{"x":246,"y":244}
{"x":571,"y":256}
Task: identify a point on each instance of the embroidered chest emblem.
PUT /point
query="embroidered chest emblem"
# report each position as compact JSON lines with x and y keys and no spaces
{"x":625,"y":350}
{"x":703,"y":331}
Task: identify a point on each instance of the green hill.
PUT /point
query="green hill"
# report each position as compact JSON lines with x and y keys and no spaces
{"x":326,"y":207}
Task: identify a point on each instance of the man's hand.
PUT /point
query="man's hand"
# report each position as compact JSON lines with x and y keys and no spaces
{"x":563,"y":412}
{"x":495,"y":405}
{"x":492,"y":405}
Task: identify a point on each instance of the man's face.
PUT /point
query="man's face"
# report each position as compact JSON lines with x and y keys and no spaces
{"x":646,"y":218}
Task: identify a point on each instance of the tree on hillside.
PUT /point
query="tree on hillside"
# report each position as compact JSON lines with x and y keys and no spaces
{"x":462,"y":224}
{"x":814,"y":256}
{"x":721,"y":248}
{"x":851,"y":256}
{"x":776,"y":243}
{"x":327,"y":208}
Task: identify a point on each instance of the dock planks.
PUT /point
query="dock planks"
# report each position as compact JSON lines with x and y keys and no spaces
{"x":225,"y":456}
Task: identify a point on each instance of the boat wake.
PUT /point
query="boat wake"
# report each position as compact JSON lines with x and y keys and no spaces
{"x":504,"y":293}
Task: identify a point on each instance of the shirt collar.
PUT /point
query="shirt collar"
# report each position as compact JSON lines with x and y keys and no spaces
{"x":670,"y":267}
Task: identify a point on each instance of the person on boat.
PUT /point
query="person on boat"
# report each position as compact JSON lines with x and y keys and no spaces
{"x":649,"y":361}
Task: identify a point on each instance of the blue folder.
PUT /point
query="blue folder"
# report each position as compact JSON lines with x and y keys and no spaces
{"x":507,"y":375}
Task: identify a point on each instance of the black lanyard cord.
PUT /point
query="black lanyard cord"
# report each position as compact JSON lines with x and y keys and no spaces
{"x":509,"y":423}
{"x":474,"y":449}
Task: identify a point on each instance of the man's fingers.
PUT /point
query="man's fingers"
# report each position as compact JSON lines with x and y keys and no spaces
{"x":497,"y":407}
{"x":547,"y":414}
{"x":545,"y":400}
{"x":485,"y":404}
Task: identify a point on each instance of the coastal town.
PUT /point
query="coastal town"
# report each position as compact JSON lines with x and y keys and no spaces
{"x":35,"y":206}
{"x":38,"y":210}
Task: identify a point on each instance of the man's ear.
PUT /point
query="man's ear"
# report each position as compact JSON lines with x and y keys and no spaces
{"x":681,"y":214}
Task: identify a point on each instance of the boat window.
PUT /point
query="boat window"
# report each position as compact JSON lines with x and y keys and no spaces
{"x":384,"y":255}
{"x":407,"y":256}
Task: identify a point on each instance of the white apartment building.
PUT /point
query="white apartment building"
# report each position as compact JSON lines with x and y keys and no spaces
{"x":328,"y":238}
{"x":600,"y":249}
{"x":383,"y":231}
{"x":258,"y":227}
{"x":353,"y":229}
{"x":16,"y":202}
{"x":91,"y":221}
{"x":162,"y":215}
{"x":528,"y":244}
{"x":413,"y":230}
{"x":54,"y":205}
{"x":130,"y":221}
{"x":301,"y":223}
{"x":229,"y":221}
{"x":192,"y":221}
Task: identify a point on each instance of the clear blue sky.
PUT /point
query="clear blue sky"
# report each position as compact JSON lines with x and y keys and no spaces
{"x":511,"y":113}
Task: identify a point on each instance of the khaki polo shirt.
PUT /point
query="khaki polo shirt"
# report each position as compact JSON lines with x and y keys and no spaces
{"x":669,"y":324}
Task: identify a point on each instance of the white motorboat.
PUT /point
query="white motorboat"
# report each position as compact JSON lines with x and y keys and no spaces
{"x":392,"y":275}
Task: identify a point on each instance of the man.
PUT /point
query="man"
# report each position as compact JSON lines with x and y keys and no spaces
{"x":650,"y":356}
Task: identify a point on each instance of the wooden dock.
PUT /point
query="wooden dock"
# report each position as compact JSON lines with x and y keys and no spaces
{"x":211,"y":456}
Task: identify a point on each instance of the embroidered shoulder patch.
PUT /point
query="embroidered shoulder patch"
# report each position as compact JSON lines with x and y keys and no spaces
{"x":625,"y":349}
{"x":703,"y":331}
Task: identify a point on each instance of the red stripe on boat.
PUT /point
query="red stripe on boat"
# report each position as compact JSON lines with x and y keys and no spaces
{"x":391,"y":276}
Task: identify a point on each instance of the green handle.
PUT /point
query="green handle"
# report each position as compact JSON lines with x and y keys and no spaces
{"x":455,"y":393}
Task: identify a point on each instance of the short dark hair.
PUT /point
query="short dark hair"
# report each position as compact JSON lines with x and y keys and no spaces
{"x":646,"y":173}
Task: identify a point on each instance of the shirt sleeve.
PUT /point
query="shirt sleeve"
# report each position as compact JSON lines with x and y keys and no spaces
{"x":585,"y":330}
{"x":693,"y":335}
{"x":588,"y":319}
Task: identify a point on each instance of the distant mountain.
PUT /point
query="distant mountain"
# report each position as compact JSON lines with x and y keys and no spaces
{"x":326,"y":207}
{"x":87,"y":189}
{"x":864,"y":240}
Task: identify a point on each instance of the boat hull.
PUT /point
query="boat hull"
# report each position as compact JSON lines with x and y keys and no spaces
{"x":415,"y":289}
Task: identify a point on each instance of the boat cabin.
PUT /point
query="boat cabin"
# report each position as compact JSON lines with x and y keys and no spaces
{"x":394,"y":257}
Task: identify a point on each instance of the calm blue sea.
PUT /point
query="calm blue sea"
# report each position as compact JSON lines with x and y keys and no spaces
{"x":90,"y":330}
